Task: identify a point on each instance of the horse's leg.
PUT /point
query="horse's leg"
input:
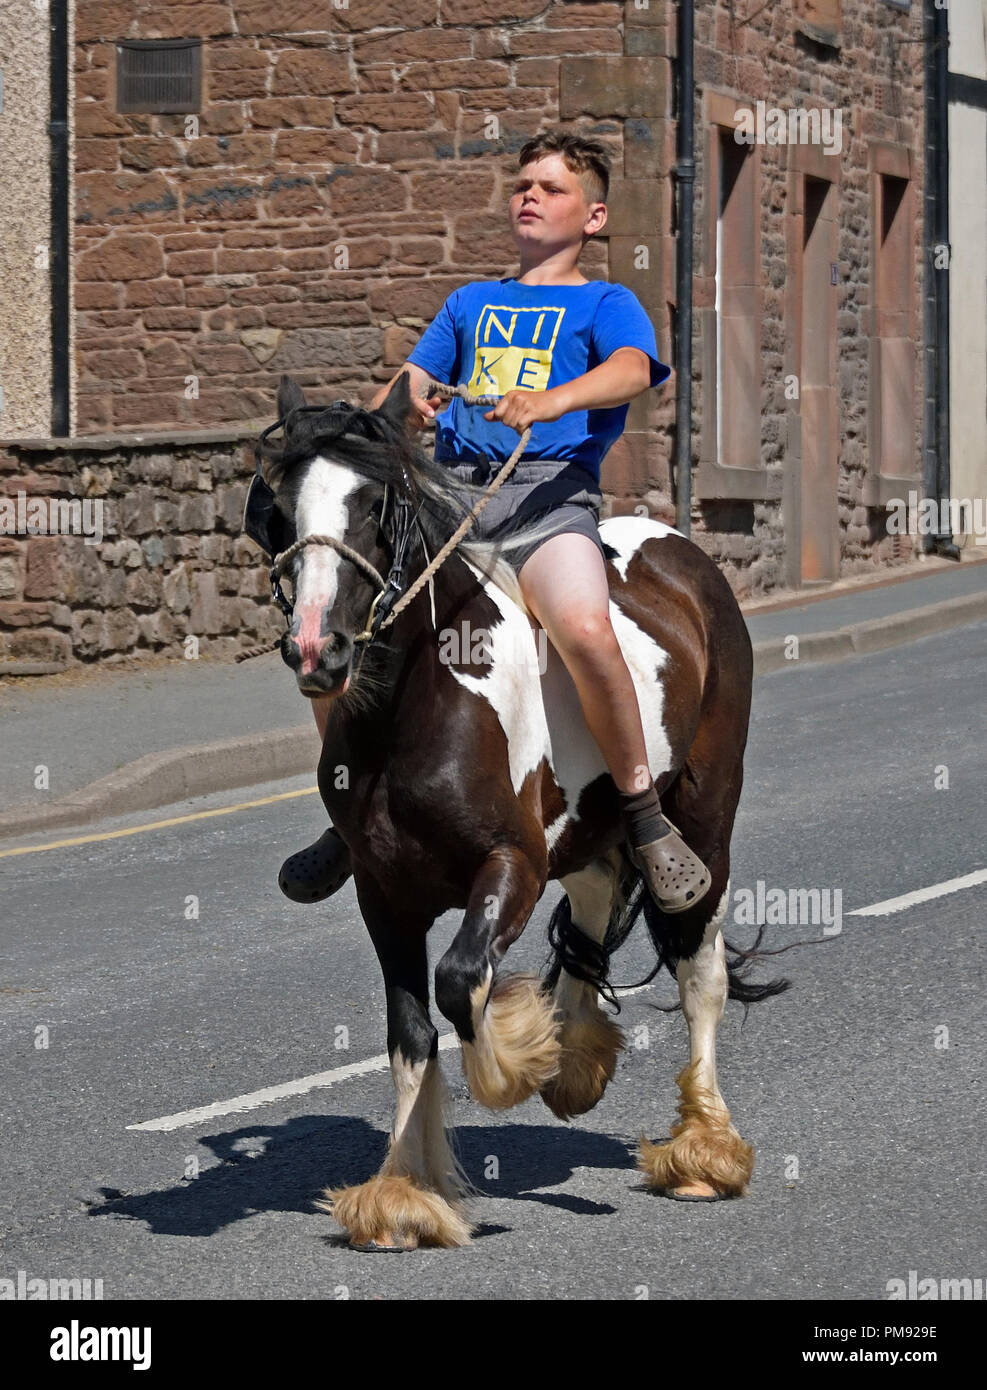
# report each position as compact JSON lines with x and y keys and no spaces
{"x":416,"y":1198}
{"x":591,"y":1041}
{"x":705,"y":1157}
{"x":506,"y":1023}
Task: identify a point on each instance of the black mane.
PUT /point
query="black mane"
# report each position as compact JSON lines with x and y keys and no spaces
{"x":372,"y":445}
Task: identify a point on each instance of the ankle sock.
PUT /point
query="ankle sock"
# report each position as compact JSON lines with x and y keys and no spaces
{"x":643,"y":820}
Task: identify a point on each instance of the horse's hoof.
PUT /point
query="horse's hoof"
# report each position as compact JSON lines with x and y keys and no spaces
{"x":391,"y":1213}
{"x":315,"y":873}
{"x":376,"y":1247}
{"x":695,"y":1192}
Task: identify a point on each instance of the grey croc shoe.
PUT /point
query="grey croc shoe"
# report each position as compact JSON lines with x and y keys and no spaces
{"x":676,"y":879}
{"x":317,"y":872}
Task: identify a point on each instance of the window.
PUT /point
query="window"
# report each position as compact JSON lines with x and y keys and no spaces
{"x":892,"y":344}
{"x":728,"y":312}
{"x":162,"y":75}
{"x":738,"y":358}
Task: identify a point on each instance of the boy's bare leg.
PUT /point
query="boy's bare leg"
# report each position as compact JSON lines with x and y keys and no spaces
{"x":564,"y":583}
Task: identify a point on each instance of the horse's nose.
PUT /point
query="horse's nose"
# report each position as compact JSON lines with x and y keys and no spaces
{"x":291,"y":652}
{"x":310,"y":635}
{"x":320,"y":666}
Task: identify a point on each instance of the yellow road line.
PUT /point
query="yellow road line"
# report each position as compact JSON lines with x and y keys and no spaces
{"x":158,"y":824}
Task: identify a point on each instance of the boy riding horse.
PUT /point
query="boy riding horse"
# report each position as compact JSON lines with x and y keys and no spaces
{"x":566,"y":355}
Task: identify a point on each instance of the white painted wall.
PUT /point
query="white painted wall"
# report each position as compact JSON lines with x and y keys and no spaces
{"x":968,"y":266}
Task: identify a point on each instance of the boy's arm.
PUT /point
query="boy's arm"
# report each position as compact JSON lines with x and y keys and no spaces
{"x":624,"y":375}
{"x":422,"y":409}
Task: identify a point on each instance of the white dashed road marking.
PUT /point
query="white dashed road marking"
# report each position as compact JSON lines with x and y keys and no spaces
{"x":921,"y":895}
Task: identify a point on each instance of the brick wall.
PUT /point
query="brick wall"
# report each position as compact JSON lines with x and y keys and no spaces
{"x":341,"y":183}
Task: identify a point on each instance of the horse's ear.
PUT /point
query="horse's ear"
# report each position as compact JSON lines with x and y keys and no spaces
{"x":290,"y":396}
{"x":397,"y":403}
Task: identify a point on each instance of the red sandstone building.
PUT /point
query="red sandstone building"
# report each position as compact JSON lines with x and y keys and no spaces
{"x":236,"y":190}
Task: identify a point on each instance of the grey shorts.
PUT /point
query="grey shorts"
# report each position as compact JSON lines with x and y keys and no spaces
{"x":564,"y":494}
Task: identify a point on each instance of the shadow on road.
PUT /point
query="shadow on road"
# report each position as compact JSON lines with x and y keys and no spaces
{"x":283,"y":1167}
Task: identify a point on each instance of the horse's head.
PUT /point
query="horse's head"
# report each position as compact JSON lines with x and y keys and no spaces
{"x":338,"y":469}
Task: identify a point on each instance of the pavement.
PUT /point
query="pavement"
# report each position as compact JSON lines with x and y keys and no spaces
{"x":189,"y":1058}
{"x":108,"y":740}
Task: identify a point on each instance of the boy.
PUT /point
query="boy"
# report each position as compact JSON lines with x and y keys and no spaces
{"x":566,"y":355}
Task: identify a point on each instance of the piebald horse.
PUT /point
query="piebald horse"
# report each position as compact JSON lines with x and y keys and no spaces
{"x":471,"y":780}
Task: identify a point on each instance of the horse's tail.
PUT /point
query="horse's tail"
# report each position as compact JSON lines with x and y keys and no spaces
{"x":587,"y":960}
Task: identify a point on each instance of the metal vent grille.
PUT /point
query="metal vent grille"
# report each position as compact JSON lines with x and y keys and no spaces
{"x":159,"y":75}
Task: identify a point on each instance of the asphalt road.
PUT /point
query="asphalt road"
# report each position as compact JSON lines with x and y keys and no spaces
{"x":868,"y":1129}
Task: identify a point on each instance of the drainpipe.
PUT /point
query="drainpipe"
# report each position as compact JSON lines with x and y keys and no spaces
{"x":685,"y":173}
{"x":58,"y":256}
{"x":936,"y":470}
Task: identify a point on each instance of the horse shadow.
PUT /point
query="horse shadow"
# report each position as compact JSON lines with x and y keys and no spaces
{"x":303,"y":1155}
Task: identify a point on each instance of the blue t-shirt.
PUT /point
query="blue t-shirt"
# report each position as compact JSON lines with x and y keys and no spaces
{"x":499,"y":335}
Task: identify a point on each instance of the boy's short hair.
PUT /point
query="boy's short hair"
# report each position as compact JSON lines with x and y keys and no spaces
{"x":586,"y":158}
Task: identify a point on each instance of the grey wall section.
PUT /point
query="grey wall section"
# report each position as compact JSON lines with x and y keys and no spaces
{"x":143,"y":552}
{"x":25,"y":301}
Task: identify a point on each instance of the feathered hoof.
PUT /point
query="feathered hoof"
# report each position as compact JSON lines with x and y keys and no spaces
{"x":705,"y":1159}
{"x":516,"y":1049}
{"x":700,"y":1163}
{"x":393,"y":1214}
{"x":591,"y":1044}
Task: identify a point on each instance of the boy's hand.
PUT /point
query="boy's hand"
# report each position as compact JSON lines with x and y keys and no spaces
{"x":422,"y":410}
{"x":519,"y":409}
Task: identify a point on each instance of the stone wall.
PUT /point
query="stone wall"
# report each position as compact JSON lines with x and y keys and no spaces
{"x":171,"y":565}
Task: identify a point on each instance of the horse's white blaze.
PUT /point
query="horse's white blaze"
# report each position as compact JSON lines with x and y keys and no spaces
{"x":322,"y":510}
{"x":628,"y":533}
{"x":541,"y":714}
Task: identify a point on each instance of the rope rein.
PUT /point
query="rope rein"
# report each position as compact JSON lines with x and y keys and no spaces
{"x":282,"y":561}
{"x":437,"y":389}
